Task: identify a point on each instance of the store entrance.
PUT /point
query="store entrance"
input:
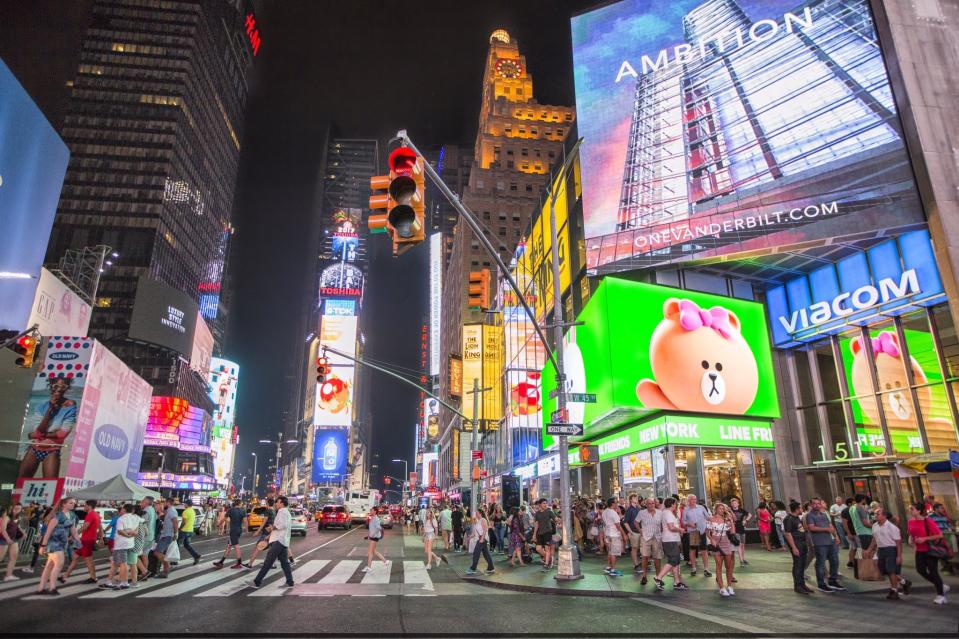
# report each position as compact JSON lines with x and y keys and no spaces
{"x":723,"y":480}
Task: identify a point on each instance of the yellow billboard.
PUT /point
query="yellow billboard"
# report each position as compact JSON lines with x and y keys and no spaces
{"x":483,"y":361}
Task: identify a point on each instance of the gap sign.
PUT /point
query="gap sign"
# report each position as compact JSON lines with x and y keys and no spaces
{"x":892,"y":278}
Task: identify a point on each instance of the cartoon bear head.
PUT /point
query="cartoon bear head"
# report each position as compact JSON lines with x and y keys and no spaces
{"x":700,"y":361}
{"x":893,"y":382}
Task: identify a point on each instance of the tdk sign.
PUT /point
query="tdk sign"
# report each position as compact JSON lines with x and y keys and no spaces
{"x":891,"y":278}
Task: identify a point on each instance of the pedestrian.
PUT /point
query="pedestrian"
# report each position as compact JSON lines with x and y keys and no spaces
{"x":499,"y":528}
{"x":456,"y":518}
{"x":123,"y":553}
{"x":236,"y":517}
{"x":741,"y":516}
{"x":861,"y":521}
{"x":38,"y":519}
{"x":631,"y":522}
{"x":187,"y":529}
{"x":168,"y":534}
{"x":671,"y":536}
{"x":764,"y":521}
{"x":91,"y":533}
{"x":947,"y":527}
{"x":150,"y":521}
{"x":221,"y":519}
{"x":446,"y":525}
{"x":778,"y":517}
{"x":825,"y":541}
{"x":61,"y":526}
{"x":269,"y":514}
{"x":480,"y":533}
{"x":924,"y":535}
{"x":516,"y":536}
{"x":10,"y":535}
{"x":374,"y":534}
{"x":279,"y":541}
{"x":615,"y":534}
{"x":543,"y":526}
{"x":139,"y":566}
{"x":718,"y":528}
{"x":850,"y":533}
{"x":794,"y":534}
{"x":420,"y":518}
{"x":650,"y":521}
{"x":429,"y":526}
{"x":886,"y":546}
{"x":694,"y":519}
{"x":835,"y":511}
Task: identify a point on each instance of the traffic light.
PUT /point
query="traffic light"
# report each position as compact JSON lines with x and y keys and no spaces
{"x":386,"y":480}
{"x":322,"y":369}
{"x":26,"y":347}
{"x":479,"y":289}
{"x":403,"y":201}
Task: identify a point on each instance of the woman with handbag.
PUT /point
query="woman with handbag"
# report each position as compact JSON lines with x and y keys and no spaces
{"x":10,"y":536}
{"x":61,"y":527}
{"x":925,"y":535}
{"x":718,"y":529}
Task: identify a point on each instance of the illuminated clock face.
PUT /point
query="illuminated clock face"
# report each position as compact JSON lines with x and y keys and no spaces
{"x":508,"y":69}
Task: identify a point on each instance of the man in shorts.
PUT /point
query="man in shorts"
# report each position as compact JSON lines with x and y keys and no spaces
{"x":632,"y":528}
{"x":887,"y":542}
{"x":694,"y":521}
{"x":168,"y":533}
{"x":269,"y":515}
{"x":846,"y":519}
{"x":543,"y":532}
{"x":91,"y":531}
{"x":236,"y":517}
{"x":671,"y":536}
{"x":615,"y":534}
{"x":150,"y":519}
{"x":650,"y":521}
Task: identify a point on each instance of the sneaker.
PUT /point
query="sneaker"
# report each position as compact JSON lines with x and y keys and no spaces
{"x":249,"y":566}
{"x":643,"y":581}
{"x":470,"y":571}
{"x":88,"y":580}
{"x":286,"y":586}
{"x":824,"y":588}
{"x":835,"y":585}
{"x":723,"y":592}
{"x":15,"y":578}
{"x":693,"y":572}
{"x":366,"y":568}
{"x":56,"y":592}
{"x":124,"y":587}
{"x":196,"y":560}
{"x":893,"y":594}
{"x":162,"y":575}
{"x":251,"y":583}
{"x":680,"y":586}
{"x":801,"y":591}
{"x":945,"y":589}
{"x":135,"y":584}
{"x":729,"y":589}
{"x":237,"y":566}
{"x":105,"y":584}
{"x":744,"y":563}
{"x":706,"y":573}
{"x":659,"y":584}
{"x":615,"y":573}
{"x":807,"y":589}
{"x":607,"y":569}
{"x":27,"y":571}
{"x":637,"y":569}
{"x":940,"y":600}
{"x":491,"y":572}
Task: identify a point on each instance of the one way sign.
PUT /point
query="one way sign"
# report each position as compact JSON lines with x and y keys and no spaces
{"x":572,"y":430}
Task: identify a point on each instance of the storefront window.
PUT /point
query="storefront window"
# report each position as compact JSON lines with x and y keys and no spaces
{"x":764,"y":462}
{"x":832,"y":393}
{"x":636,"y":471}
{"x":807,"y":406}
{"x":689,"y":475}
{"x":722,"y":475}
{"x":929,"y":388}
{"x":744,"y":462}
{"x":660,"y":476}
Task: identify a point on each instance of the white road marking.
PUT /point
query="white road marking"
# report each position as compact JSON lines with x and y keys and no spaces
{"x":414,"y":572}
{"x":729,"y":623}
{"x":176,"y":575}
{"x":198,"y":579}
{"x":341,"y":572}
{"x":301,"y":574}
{"x":378,"y":574}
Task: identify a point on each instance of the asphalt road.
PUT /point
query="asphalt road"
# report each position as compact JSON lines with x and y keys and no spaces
{"x":332,"y":595}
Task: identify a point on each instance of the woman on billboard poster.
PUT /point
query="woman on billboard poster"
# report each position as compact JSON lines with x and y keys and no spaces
{"x":55,"y":418}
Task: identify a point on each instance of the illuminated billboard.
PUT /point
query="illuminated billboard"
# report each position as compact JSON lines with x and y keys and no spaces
{"x":483,"y":361}
{"x":86,"y":416}
{"x":642,"y":348}
{"x":330,"y":454}
{"x":728,"y":127}
{"x":33,"y":161}
{"x":175,"y":423}
{"x":341,"y":280}
{"x":334,"y":398}
{"x":202,"y":349}
{"x":223,"y":382}
{"x":163,"y":316}
{"x":436,"y":300}
{"x":57,"y":309}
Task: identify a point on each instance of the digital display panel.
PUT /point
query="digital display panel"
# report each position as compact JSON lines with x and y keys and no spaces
{"x":163,"y":316}
{"x":727,"y":127}
{"x":175,"y":423}
{"x":330,"y":454}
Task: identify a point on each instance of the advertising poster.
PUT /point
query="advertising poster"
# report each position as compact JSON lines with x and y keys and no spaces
{"x":202,"y":349}
{"x":643,"y":348}
{"x":224,"y":380}
{"x":472,"y":366}
{"x":334,"y":398}
{"x":33,"y":162}
{"x":436,"y":300}
{"x":330,"y":454}
{"x":714,"y":129}
{"x":57,"y":310}
{"x":492,"y":375}
{"x":163,"y":316}
{"x":175,"y":423}
{"x":637,"y":468}
{"x":341,"y":280}
{"x":339,"y":332}
{"x":456,"y":376}
{"x":86,"y":416}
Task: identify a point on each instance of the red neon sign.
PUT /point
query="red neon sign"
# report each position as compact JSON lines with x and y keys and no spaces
{"x":253,"y":33}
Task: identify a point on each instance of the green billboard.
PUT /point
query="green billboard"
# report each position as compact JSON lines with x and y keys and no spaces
{"x":642,"y":348}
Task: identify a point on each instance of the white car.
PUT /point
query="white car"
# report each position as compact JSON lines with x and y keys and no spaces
{"x":298,"y":522}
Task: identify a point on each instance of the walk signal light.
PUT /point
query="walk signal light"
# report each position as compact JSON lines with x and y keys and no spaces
{"x":322,"y":369}
{"x":403,"y":201}
{"x":479,"y":291}
{"x":26,"y":347}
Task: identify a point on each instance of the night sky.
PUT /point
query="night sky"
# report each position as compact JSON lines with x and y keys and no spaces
{"x":368,"y":68}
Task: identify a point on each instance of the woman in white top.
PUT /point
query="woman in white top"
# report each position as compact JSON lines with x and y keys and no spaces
{"x":429,"y":533}
{"x":718,"y":528}
{"x":374,"y":534}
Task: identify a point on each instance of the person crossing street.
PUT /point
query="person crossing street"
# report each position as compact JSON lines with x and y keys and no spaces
{"x":236,"y":517}
{"x":279,"y":546}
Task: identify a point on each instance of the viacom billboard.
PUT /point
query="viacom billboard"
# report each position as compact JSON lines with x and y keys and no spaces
{"x":723,"y":127}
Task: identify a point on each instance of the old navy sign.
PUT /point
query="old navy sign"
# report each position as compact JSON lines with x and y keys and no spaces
{"x":891,"y":278}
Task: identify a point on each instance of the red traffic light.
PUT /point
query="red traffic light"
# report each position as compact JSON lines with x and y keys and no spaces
{"x":322,"y":369}
{"x":26,"y":347}
{"x":403,"y":160}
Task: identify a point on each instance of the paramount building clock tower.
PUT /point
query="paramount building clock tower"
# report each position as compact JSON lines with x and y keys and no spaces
{"x":518,"y":141}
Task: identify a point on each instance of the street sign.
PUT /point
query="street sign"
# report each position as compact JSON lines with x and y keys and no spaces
{"x":476,"y":454}
{"x":554,"y":393}
{"x":573,"y":430}
{"x":558,"y":415}
{"x":582,"y":398}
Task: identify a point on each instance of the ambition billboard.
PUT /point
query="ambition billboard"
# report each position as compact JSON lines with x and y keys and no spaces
{"x":33,"y":161}
{"x":730,"y":127}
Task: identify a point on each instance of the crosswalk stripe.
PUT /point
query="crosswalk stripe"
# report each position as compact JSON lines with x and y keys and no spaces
{"x":341,"y":572}
{"x":64,"y":591}
{"x":187,"y":585}
{"x":414,"y":572}
{"x":378,"y":574}
{"x":301,"y":574}
{"x":179,"y":573}
{"x":234,"y":586}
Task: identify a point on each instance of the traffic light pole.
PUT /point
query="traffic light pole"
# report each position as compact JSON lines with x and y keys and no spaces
{"x":474,"y":437}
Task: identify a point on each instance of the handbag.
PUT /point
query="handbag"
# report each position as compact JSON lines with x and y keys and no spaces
{"x":733,"y":538}
{"x":867,"y":568}
{"x":938,"y":549}
{"x":593,"y":531}
{"x":173,"y":552}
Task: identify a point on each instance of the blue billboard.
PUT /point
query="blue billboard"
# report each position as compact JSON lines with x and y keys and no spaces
{"x":33,"y":162}
{"x":330,"y":452}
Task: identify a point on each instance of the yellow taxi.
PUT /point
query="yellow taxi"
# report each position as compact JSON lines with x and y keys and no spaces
{"x":256,"y":517}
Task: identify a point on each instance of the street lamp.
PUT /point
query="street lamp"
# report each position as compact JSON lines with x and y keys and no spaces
{"x":406,"y":476}
{"x":279,"y":449}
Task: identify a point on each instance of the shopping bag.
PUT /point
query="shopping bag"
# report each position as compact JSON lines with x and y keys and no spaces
{"x":867,"y":569}
{"x":173,"y":552}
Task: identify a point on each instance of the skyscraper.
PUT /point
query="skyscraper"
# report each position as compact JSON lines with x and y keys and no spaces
{"x":517,"y":142}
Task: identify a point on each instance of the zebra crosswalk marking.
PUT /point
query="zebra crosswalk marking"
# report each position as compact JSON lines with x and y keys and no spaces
{"x":414,"y":572}
{"x":199,"y":579}
{"x":179,"y":573}
{"x":378,"y":574}
{"x":233,"y":586}
{"x":301,"y":574}
{"x":341,"y":572}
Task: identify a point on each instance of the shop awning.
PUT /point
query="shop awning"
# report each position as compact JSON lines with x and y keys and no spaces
{"x":934,"y":462}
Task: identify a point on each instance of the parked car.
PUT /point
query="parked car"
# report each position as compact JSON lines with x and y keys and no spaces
{"x":299,"y":521}
{"x":334,"y":517}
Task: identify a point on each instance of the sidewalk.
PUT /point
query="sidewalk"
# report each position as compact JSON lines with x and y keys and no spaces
{"x":766,"y":571}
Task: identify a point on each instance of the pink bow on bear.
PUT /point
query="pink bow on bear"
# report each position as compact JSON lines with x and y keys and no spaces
{"x":885,"y":343}
{"x":692,"y":317}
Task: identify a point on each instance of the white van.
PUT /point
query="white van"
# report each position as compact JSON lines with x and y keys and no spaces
{"x":360,"y":503}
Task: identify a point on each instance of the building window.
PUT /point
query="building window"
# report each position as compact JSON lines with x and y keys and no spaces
{"x":500,"y":185}
{"x":524,"y":152}
{"x":486,"y":215}
{"x":509,"y":151}
{"x":529,"y":188}
{"x":569,"y":117}
{"x":512,"y":186}
{"x":502,"y":232}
